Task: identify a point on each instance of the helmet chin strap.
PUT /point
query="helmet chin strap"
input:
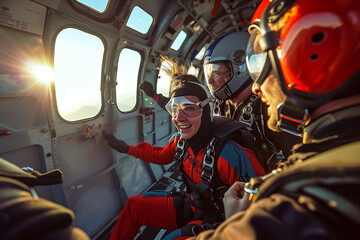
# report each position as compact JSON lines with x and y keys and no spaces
{"x":225,"y":92}
{"x":292,"y":117}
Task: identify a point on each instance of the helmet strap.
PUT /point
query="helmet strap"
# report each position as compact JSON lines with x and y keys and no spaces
{"x":292,"y":117}
{"x":225,"y":92}
{"x":246,"y":84}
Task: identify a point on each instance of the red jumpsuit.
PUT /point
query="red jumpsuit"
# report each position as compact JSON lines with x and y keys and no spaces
{"x":234,"y":163}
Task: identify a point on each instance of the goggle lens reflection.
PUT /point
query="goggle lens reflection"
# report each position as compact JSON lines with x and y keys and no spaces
{"x":213,"y":70}
{"x":255,"y":58}
{"x":189,"y":108}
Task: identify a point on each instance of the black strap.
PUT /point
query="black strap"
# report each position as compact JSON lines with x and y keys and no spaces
{"x":293,"y":118}
{"x":244,"y":113}
{"x":223,"y":129}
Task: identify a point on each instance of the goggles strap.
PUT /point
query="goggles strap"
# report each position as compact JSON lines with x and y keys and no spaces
{"x":292,"y":117}
{"x":206,"y":101}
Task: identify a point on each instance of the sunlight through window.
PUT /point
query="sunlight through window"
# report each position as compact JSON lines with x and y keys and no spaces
{"x":127,"y":79}
{"x":193,"y":71}
{"x":178,"y":41}
{"x":139,"y":20}
{"x":44,"y":73}
{"x":97,"y":5}
{"x":163,"y":82}
{"x":77,"y":74}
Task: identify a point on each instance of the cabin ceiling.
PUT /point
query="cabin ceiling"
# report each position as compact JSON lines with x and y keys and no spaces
{"x":202,"y":20}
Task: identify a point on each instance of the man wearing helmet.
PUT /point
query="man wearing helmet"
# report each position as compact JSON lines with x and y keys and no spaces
{"x":304,"y":59}
{"x":229,"y":81}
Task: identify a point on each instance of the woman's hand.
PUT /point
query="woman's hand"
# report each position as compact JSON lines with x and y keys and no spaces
{"x":118,"y":145}
{"x":147,"y":88}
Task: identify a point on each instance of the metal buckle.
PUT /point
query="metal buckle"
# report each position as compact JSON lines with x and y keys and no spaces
{"x":209,"y":155}
{"x":254,"y":189}
{"x":208,"y":163}
{"x":180,"y":149}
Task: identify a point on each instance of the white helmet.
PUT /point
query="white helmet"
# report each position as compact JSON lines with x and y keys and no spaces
{"x":229,"y":49}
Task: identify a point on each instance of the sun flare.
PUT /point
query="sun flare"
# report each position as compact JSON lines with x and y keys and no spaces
{"x":44,"y":74}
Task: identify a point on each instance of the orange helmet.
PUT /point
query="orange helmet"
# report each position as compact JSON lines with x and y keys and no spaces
{"x":315,"y":50}
{"x":259,"y":11}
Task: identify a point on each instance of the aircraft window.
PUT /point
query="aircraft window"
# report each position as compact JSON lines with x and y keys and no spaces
{"x":127,"y":79}
{"x":98,"y":5}
{"x":194,"y":71}
{"x":178,"y":41}
{"x":201,"y":53}
{"x":139,"y":20}
{"x":77,"y":74}
{"x":163,"y":80}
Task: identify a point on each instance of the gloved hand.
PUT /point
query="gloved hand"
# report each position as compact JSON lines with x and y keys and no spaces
{"x":147,"y":88}
{"x":118,"y":145}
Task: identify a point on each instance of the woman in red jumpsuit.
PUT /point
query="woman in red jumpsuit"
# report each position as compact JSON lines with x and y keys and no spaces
{"x":192,"y":116}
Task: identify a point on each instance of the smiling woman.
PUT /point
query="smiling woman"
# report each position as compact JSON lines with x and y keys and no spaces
{"x":191,"y":110}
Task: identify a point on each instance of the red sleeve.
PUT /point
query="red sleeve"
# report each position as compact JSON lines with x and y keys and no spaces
{"x":155,"y":98}
{"x":226,"y":172}
{"x":158,"y":155}
{"x":236,"y":163}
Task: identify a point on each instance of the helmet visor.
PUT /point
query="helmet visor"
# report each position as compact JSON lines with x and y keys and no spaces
{"x":189,"y":108}
{"x":255,"y":57}
{"x":217,"y":70}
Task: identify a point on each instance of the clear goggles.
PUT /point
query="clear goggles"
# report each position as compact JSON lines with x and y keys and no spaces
{"x":189,"y":108}
{"x":256,"y":58}
{"x":216,"y":70}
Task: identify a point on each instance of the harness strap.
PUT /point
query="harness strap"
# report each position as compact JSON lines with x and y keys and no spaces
{"x":208,"y":163}
{"x":251,"y":113}
{"x":293,"y":117}
{"x":180,"y":150}
{"x":223,"y":129}
{"x":247,"y":115}
{"x":208,"y":208}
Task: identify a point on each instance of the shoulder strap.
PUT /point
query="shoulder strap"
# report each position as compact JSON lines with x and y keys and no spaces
{"x":245,"y":112}
{"x":224,"y":126}
{"x":223,"y":129}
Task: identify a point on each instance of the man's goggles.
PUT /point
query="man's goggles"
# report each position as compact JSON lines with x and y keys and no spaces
{"x":257,"y":60}
{"x":189,"y":108}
